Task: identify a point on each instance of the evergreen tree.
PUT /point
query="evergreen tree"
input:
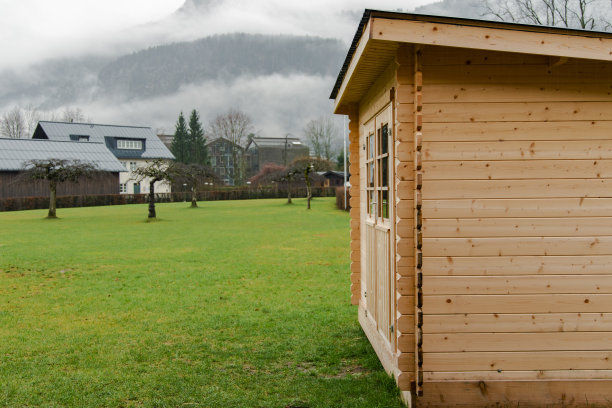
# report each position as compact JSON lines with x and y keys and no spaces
{"x":197,"y":143}
{"x":180,"y":143}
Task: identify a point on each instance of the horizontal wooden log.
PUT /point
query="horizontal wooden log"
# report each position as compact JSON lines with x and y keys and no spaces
{"x":405,"y":305}
{"x":517,"y":285}
{"x":517,"y":208}
{"x":404,"y":171}
{"x":494,"y":375}
{"x":405,"y":324}
{"x":515,"y":92}
{"x":405,"y":286}
{"x":540,"y":246}
{"x":479,"y":189}
{"x":516,"y":111}
{"x":405,"y":361}
{"x":518,"y":323}
{"x":517,"y":150}
{"x":540,"y":360}
{"x":502,"y":342}
{"x":532,"y":394}
{"x":405,"y":247}
{"x":517,"y":169}
{"x":516,"y":227}
{"x":404,"y":209}
{"x":527,"y":131}
{"x":518,"y":265}
{"x":535,"y":74}
{"x":446,"y":56}
{"x":549,"y":303}
{"x":405,"y":343}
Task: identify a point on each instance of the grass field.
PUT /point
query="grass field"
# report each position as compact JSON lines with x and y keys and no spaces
{"x":233,"y":304}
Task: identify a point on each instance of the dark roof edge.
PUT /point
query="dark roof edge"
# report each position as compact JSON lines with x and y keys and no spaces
{"x":369,"y":13}
{"x":49,"y":140}
{"x":94,"y":124}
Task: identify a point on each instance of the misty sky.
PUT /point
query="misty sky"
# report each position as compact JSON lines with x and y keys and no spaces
{"x":34,"y":30}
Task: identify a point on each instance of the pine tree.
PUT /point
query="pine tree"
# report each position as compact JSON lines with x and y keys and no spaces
{"x":197,"y":143}
{"x":180,"y":143}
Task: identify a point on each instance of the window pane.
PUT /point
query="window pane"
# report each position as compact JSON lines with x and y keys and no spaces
{"x":384,"y":142}
{"x":371,"y":174}
{"x":385,"y":204}
{"x":372,"y":198}
{"x":370,"y":146}
{"x":384,"y":171}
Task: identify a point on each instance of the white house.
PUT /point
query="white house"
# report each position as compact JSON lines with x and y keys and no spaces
{"x":133,"y":146}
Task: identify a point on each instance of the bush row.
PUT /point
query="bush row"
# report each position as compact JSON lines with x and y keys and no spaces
{"x":240,"y":193}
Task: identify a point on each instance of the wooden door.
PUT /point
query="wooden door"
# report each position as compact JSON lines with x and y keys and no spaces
{"x":379,"y":288}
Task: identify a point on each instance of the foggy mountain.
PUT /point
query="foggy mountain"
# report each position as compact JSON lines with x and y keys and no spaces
{"x":164,"y":69}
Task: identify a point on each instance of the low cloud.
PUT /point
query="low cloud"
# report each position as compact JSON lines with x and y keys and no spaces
{"x":277,"y":104}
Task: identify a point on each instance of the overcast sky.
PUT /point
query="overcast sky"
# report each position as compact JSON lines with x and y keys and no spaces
{"x":33,"y":30}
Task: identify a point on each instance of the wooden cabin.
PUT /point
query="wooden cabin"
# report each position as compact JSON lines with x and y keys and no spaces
{"x":481,"y":208}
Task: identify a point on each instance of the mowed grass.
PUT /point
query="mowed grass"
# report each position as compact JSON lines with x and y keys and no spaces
{"x":233,"y":304}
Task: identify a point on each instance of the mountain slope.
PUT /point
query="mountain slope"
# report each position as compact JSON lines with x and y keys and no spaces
{"x":164,"y":69}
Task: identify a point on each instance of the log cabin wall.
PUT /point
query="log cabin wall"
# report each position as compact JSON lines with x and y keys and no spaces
{"x":517,"y":228}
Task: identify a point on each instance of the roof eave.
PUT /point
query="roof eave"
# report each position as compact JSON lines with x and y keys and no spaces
{"x":457,"y":32}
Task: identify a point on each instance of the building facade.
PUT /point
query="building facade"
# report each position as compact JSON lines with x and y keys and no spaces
{"x":227,"y":160}
{"x":277,"y":150}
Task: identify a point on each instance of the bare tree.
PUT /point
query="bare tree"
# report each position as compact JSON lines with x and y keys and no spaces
{"x":583,"y":14}
{"x":75,"y":115}
{"x":155,"y":170}
{"x":320,"y":134}
{"x":306,"y":166}
{"x":57,"y":171}
{"x":193,"y":175}
{"x":13,"y":124}
{"x":234,"y":126}
{"x":31,"y":117}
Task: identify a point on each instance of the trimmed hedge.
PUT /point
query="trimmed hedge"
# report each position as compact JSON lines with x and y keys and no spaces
{"x":240,"y":193}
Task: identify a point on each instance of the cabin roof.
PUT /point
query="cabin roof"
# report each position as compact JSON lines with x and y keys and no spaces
{"x":153,"y":147}
{"x":380,"y":33}
{"x":14,"y":153}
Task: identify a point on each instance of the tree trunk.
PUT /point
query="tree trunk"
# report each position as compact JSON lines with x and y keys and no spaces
{"x":308,"y":192}
{"x":152,"y":199}
{"x":289,"y":194}
{"x":194,"y":197}
{"x":52,"y":199}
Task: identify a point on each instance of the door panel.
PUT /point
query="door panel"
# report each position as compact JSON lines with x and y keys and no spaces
{"x":379,"y":291}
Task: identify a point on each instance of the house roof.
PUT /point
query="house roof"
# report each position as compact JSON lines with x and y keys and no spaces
{"x":380,"y":33}
{"x":222,"y":139}
{"x":14,"y":153}
{"x":154,"y":148}
{"x":276,"y":142}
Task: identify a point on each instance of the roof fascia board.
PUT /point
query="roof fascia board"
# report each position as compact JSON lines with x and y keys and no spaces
{"x":488,"y":38}
{"x":361,"y":46}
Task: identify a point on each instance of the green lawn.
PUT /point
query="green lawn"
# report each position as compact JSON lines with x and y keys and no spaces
{"x":233,"y":304}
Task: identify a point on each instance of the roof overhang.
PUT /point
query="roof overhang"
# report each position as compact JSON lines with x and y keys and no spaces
{"x":381,"y":33}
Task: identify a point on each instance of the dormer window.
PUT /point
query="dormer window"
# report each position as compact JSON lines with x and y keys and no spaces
{"x":129,"y":144}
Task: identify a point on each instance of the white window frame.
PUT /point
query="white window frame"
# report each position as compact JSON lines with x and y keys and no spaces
{"x":133,"y":166}
{"x":122,"y":187}
{"x":129,"y":144}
